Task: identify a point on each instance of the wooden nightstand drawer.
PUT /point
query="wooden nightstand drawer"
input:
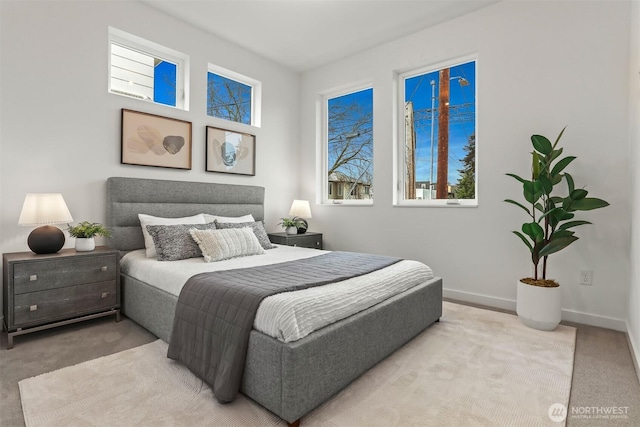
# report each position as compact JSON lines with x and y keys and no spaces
{"x":306,"y":240}
{"x":58,"y":273}
{"x":36,"y":307}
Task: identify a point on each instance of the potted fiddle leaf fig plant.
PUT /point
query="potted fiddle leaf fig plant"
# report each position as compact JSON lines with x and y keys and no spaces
{"x":549,"y":228}
{"x":84,"y":234}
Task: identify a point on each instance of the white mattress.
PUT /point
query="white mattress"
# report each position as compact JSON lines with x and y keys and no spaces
{"x":288,"y":316}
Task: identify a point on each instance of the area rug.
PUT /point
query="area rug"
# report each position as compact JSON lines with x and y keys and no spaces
{"x":473,"y":368}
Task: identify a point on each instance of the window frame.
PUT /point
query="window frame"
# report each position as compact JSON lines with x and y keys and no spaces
{"x":399,"y":146}
{"x":156,"y":50}
{"x":324,"y":145}
{"x":256,"y":93}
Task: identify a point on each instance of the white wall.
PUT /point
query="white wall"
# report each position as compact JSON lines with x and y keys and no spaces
{"x":541,"y":66}
{"x":633,"y":322}
{"x":60,"y":129}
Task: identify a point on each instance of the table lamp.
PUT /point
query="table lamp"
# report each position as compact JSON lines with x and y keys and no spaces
{"x":299,"y":210}
{"x":43,"y":209}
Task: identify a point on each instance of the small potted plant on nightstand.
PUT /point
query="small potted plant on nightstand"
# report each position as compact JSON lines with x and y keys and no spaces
{"x":291,"y":225}
{"x":84,"y":234}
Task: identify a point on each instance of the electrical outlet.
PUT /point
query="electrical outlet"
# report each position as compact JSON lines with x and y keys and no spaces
{"x":586,"y":277}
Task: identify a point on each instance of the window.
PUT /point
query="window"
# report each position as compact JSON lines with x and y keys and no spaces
{"x":232,"y":96}
{"x":438,"y":165}
{"x":148,"y":71}
{"x":348,"y":147}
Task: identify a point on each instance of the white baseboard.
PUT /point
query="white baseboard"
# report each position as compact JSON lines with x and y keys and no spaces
{"x":507,"y":304}
{"x":633,"y":348}
{"x":480,"y":299}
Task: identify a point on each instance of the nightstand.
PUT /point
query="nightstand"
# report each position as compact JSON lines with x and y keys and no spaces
{"x":45,"y":291}
{"x":306,"y":240}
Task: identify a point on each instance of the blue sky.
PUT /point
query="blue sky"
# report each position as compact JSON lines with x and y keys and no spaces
{"x":461,"y":122}
{"x":364,"y":100}
{"x":164,"y":83}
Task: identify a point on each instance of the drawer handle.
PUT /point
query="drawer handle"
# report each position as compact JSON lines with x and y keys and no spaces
{"x":33,"y":277}
{"x":104,"y":295}
{"x":104,"y":268}
{"x":33,"y":307}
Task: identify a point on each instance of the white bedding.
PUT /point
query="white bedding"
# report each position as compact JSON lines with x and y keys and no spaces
{"x":288,"y":316}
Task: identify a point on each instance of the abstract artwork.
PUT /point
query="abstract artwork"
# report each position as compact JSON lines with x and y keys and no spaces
{"x":151,"y":140}
{"x":230,"y":152}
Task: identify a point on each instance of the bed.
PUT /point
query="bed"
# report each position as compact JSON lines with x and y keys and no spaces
{"x":288,"y":378}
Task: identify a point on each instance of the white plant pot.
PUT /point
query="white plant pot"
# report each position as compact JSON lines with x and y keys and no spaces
{"x":291,"y":230}
{"x":539,"y":307}
{"x":85,"y":244}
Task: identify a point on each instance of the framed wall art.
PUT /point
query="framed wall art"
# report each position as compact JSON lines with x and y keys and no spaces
{"x":151,"y":140}
{"x":230,"y":152}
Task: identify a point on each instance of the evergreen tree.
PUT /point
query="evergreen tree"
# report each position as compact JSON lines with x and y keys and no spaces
{"x":466,"y":187}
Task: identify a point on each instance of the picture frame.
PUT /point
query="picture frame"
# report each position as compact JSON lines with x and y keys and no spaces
{"x":230,"y":151}
{"x":152,"y":140}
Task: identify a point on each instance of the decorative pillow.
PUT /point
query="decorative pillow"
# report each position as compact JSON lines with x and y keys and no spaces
{"x":174,"y":242}
{"x":217,"y":245}
{"x":244,"y":218}
{"x":256,"y":226}
{"x":156,"y":220}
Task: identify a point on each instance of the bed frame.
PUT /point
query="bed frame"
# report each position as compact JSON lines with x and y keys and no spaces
{"x":289,"y":379}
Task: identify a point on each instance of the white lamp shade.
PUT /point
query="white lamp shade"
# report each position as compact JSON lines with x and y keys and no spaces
{"x":300,"y":209}
{"x":44,"y":208}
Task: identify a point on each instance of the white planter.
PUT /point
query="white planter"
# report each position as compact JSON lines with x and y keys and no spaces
{"x":538,"y":307}
{"x":85,"y":245}
{"x":291,"y":230}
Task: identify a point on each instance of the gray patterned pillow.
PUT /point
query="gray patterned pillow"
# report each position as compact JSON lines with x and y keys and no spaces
{"x":256,"y":226}
{"x":174,"y":242}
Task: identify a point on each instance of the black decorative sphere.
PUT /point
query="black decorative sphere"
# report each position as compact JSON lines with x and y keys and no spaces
{"x":302,"y":230}
{"x":46,"y":240}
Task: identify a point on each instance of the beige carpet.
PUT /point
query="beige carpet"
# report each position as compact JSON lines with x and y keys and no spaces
{"x":474,"y":367}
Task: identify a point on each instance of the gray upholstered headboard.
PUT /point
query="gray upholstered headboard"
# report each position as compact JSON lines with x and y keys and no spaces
{"x":127,"y":197}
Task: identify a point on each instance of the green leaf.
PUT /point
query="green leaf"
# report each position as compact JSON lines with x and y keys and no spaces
{"x":571,"y":224}
{"x":588,"y":203}
{"x":556,"y":179}
{"x":513,"y":202}
{"x":533,"y":230}
{"x":535,"y":165}
{"x":556,"y":153}
{"x":524,"y":239}
{"x":541,"y":144}
{"x":556,"y":245}
{"x":539,"y":207}
{"x":559,"y":136}
{"x":516,"y":177}
{"x":556,"y":199}
{"x":556,"y":212}
{"x":559,"y":167}
{"x":570,"y":183}
{"x":531,"y":191}
{"x":562,"y":234}
{"x":545,"y":184}
{"x":578,"y":194}
{"x":535,"y":253}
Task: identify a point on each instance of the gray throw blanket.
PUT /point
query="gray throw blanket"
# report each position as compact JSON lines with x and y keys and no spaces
{"x":216,"y":311}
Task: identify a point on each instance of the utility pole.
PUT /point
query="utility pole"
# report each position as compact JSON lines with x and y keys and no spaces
{"x":410,"y":152}
{"x":443,"y":136}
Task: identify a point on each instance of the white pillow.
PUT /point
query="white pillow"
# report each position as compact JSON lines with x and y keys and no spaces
{"x":217,"y":245}
{"x":235,"y":219}
{"x":156,"y":220}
